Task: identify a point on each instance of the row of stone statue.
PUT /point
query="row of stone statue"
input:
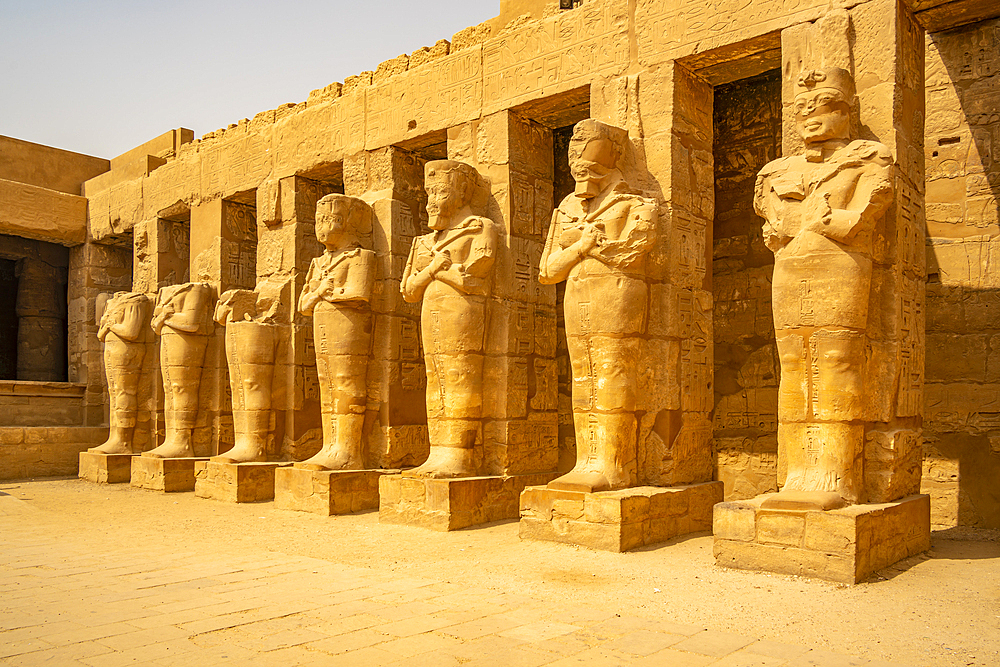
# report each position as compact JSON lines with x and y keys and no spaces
{"x":819,"y":212}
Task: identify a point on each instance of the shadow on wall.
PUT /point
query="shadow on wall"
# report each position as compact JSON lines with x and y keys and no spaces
{"x":962,"y":397}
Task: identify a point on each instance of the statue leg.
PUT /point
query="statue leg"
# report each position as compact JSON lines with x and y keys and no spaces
{"x":250,"y":349}
{"x":343,"y":337}
{"x":454,"y":409}
{"x":604,"y":385}
{"x":181,"y":359}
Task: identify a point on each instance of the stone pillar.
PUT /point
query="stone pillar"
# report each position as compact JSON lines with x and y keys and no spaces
{"x":520,"y":405}
{"x":41,"y":313}
{"x":851,"y":394}
{"x":287,"y":243}
{"x":390,"y":180}
{"x":668,"y":115}
{"x":223,"y":252}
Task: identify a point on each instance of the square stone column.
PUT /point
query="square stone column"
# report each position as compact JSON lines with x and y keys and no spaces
{"x":520,"y":408}
{"x":223,"y":252}
{"x":286,"y":214}
{"x":391,"y":181}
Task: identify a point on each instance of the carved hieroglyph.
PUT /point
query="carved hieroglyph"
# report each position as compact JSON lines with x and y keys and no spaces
{"x":821,"y":210}
{"x":181,"y":320}
{"x":451,"y":270}
{"x":251,"y":342}
{"x":598,"y":241}
{"x":337,"y":294}
{"x":125,"y":317}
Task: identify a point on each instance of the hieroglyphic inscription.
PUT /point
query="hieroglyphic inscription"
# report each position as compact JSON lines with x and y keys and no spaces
{"x":236,"y":164}
{"x":556,"y":54}
{"x":33,"y":212}
{"x":425,"y":99}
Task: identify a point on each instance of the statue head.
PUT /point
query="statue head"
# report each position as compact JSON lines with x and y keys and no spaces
{"x":823,"y":100}
{"x":594,"y":150}
{"x":338,"y":216}
{"x":450,"y":186}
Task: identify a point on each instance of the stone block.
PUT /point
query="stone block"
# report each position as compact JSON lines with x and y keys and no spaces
{"x":327,"y":492}
{"x":451,"y":504}
{"x":105,"y":468}
{"x":618,"y":520}
{"x":235,"y":482}
{"x":167,"y":475}
{"x":845,"y":545}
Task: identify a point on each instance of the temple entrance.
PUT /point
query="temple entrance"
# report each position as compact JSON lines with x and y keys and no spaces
{"x":747,"y":135}
{"x":8,"y":320}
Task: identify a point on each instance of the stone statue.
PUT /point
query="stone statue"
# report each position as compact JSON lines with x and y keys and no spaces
{"x":337,"y":293}
{"x":597,"y":242}
{"x":125,"y":315}
{"x":181,"y":320}
{"x":251,"y":341}
{"x":450,"y":269}
{"x":820,"y":210}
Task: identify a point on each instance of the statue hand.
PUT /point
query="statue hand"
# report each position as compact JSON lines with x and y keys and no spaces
{"x":441,"y":262}
{"x":592,"y":237}
{"x":816,"y":212}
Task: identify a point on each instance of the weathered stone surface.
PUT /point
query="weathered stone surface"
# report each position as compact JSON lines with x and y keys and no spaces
{"x":845,"y":545}
{"x":167,"y":475}
{"x":235,"y":482}
{"x":451,"y":504}
{"x":327,"y":492}
{"x":105,"y":468}
{"x":45,"y":451}
{"x":617,"y":520}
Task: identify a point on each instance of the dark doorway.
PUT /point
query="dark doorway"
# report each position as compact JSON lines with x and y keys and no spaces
{"x":8,"y":320}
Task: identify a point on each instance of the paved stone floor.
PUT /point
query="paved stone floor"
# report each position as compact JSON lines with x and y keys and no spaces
{"x":104,"y":603}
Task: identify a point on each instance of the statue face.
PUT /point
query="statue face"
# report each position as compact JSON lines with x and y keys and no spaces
{"x":591,"y":159}
{"x":821,"y":115}
{"x":332,"y":221}
{"x":444,"y":197}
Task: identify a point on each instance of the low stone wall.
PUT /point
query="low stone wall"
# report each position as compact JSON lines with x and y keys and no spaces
{"x":45,"y":451}
{"x":25,"y":403}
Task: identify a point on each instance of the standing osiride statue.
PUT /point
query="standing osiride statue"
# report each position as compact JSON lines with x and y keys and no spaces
{"x":598,"y":241}
{"x":122,"y":324}
{"x":820,"y":211}
{"x":450,"y":270}
{"x":337,"y":293}
{"x":181,"y":320}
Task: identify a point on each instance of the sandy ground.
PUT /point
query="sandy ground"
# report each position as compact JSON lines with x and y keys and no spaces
{"x":940,"y":608}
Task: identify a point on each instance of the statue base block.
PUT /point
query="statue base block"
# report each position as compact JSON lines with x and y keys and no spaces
{"x":845,"y":545}
{"x":235,"y":482}
{"x":451,"y":504}
{"x":618,"y":520}
{"x":327,"y":492}
{"x":106,"y":468}
{"x":167,"y":475}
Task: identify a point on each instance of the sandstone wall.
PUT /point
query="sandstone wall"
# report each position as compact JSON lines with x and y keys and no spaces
{"x":962,"y":406}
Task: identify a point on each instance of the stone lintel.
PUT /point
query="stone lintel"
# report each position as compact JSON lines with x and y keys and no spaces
{"x":618,"y":520}
{"x":167,"y":475}
{"x":235,"y":482}
{"x":845,"y":545}
{"x":106,"y":468}
{"x":327,"y":492}
{"x":451,"y":504}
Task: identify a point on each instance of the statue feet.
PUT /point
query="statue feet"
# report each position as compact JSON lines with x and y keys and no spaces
{"x":804,"y":500}
{"x":444,"y":463}
{"x":587,"y":482}
{"x":332,"y":459}
{"x":175,"y":446}
{"x":248,"y":449}
{"x":117,"y":443}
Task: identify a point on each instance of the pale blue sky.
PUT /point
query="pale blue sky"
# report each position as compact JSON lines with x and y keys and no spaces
{"x":102,"y":76}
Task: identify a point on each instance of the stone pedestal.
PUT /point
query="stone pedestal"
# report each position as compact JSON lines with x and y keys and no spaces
{"x":327,"y":492}
{"x":845,"y":545}
{"x":105,"y":468}
{"x":450,"y":504}
{"x":618,"y":520}
{"x":235,"y":482}
{"x":167,"y":475}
